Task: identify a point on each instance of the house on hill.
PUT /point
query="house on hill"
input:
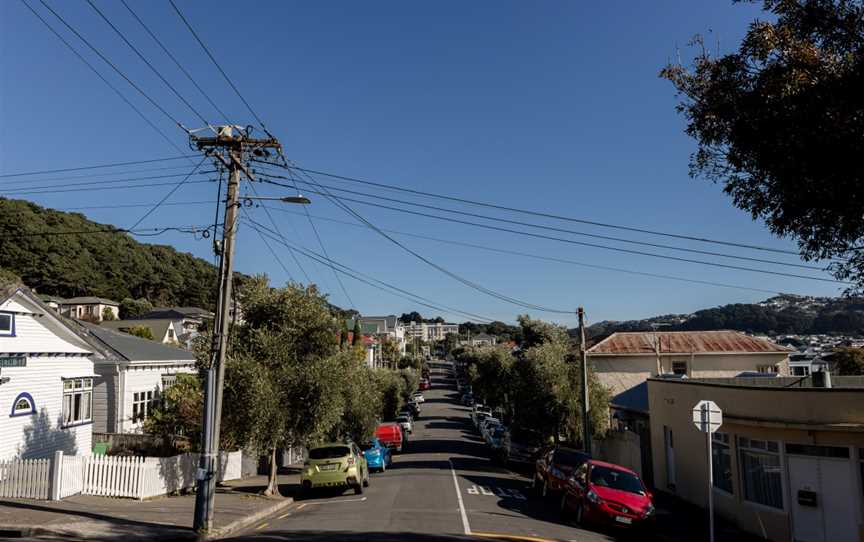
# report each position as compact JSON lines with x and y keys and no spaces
{"x":189,"y":322}
{"x":133,"y":372}
{"x":163,"y":331}
{"x":89,"y":308}
{"x":624,"y":361}
{"x":46,"y":380}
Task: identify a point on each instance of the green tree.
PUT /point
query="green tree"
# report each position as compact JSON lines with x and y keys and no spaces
{"x":343,"y":335}
{"x":362,"y":399}
{"x":389,"y":351}
{"x":141,"y":331}
{"x":357,"y":333}
{"x":108,"y":314}
{"x":390,"y":385}
{"x":848,"y":361}
{"x":133,"y":308}
{"x":179,"y":411}
{"x":779,"y":122}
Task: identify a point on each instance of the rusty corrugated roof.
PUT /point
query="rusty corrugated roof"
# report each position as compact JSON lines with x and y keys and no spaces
{"x":684,"y":342}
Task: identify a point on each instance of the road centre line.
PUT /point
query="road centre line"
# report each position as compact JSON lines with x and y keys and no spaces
{"x":361,"y":499}
{"x":466,"y":526}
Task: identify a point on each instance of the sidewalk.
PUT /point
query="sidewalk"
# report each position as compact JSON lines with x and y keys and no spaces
{"x":238,"y":505}
{"x":679,"y":521}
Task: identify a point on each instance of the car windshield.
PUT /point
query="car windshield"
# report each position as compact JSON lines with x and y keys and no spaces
{"x":367,"y":446}
{"x":329,"y":452}
{"x":569,"y":458}
{"x":402,"y":419}
{"x":616,"y":479}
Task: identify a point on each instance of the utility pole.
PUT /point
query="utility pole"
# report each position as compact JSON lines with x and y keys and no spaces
{"x":583,"y":355}
{"x":228,"y":147}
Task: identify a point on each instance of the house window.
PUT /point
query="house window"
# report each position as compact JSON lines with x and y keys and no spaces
{"x":168,"y":381}
{"x":800,"y":371}
{"x":679,"y":367}
{"x":170,"y":333}
{"x":7,"y":324}
{"x":721,"y":461}
{"x":23,"y":405}
{"x":142,"y":405}
{"x":770,"y":369}
{"x":77,"y":400}
{"x":761,"y":475}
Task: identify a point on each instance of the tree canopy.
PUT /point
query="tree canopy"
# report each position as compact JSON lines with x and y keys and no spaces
{"x":779,"y":123}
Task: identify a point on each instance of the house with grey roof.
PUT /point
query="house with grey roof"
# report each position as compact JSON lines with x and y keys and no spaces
{"x":89,"y":308}
{"x":133,"y":373}
{"x":163,"y":331}
{"x":189,"y":322}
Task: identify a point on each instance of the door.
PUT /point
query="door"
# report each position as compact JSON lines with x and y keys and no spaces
{"x":823,"y":497}
{"x":670,"y":457}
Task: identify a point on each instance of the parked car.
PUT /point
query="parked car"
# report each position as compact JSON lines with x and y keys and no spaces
{"x":495,"y":441}
{"x":335,"y":464}
{"x":480,"y":414}
{"x":418,"y":397}
{"x":390,"y":435}
{"x":521,"y":446}
{"x":378,"y":456}
{"x":413,"y":409}
{"x":405,"y":422}
{"x":608,"y":494}
{"x":487,"y":423}
{"x":467,"y":399}
{"x":554,"y":467}
{"x":424,"y":385}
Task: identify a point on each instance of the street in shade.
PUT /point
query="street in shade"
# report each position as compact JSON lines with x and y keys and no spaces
{"x":442,"y":486}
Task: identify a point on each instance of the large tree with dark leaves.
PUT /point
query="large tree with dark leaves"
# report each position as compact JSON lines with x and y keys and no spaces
{"x":780,"y":123}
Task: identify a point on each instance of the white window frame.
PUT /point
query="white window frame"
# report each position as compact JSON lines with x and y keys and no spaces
{"x":768,"y":369}
{"x":72,"y":388}
{"x":745,"y":446}
{"x":142,"y":404}
{"x":679,"y":363}
{"x":11,"y":331}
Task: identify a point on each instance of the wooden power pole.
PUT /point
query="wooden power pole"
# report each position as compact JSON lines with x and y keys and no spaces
{"x":583,"y":361}
{"x":229,"y":148}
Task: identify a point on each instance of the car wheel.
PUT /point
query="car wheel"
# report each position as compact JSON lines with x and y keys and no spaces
{"x":366,"y":482}
{"x":544,"y":489}
{"x":563,"y":508}
{"x":383,"y":466}
{"x":578,"y":514}
{"x":358,"y":489}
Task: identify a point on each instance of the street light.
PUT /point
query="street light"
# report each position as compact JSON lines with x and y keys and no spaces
{"x":301,"y":199}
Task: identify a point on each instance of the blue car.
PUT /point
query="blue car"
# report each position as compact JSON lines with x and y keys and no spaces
{"x":377,"y":455}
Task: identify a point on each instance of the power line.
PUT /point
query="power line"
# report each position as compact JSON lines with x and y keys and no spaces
{"x":169,"y":194}
{"x":541,"y":257}
{"x":176,"y":62}
{"x":100,"y":166}
{"x":101,"y":182}
{"x":102,"y":188}
{"x":104,"y":80}
{"x":66,"y":178}
{"x":273,"y":253}
{"x":375,"y":283}
{"x":562,"y":230}
{"x":113,"y":66}
{"x":442,"y":269}
{"x":137,"y":232}
{"x":147,"y":62}
{"x":574,"y":242}
{"x":543,"y":214}
{"x":213,"y":59}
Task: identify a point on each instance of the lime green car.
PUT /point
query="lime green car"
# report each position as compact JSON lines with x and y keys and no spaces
{"x":335,"y":464}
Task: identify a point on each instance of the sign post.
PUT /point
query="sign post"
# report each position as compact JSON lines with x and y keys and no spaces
{"x":707,"y":417}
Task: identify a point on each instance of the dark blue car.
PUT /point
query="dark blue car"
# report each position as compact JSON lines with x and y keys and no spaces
{"x":377,"y":455}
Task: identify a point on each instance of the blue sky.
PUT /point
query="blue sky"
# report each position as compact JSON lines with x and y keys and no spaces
{"x":552,"y":106}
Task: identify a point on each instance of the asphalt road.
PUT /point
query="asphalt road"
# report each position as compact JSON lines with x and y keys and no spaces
{"x":442,"y":487}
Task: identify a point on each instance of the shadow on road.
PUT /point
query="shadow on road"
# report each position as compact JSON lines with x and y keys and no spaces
{"x":331,"y":536}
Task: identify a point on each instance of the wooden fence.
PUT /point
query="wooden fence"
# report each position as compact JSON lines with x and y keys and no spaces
{"x":25,"y":478}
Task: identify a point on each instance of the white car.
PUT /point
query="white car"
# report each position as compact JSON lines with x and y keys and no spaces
{"x":486,"y":424}
{"x":405,"y":423}
{"x":418,"y":397}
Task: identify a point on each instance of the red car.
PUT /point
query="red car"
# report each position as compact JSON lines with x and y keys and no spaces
{"x":390,"y":435}
{"x":554,"y":467}
{"x":424,"y":385}
{"x":608,"y":494}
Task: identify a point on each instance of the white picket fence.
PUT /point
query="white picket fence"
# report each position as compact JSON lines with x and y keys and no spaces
{"x":106,"y":476}
{"x":25,"y":478}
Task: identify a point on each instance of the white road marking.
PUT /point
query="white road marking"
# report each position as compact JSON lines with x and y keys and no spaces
{"x":465,"y":525}
{"x":485,"y":490}
{"x":497,"y":491}
{"x":361,"y":499}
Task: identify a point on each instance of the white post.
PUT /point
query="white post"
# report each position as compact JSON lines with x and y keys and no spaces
{"x":56,"y":476}
{"x":706,"y":416}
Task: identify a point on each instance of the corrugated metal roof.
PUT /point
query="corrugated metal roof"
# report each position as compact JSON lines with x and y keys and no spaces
{"x":684,"y":342}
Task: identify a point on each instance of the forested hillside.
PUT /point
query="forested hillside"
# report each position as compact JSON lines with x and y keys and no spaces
{"x":112,"y":265}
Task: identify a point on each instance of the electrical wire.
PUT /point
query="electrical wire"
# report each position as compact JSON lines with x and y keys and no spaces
{"x":102,"y":188}
{"x":176,"y":62}
{"x":66,"y":178}
{"x":100,"y":166}
{"x":562,"y":230}
{"x":147,"y":232}
{"x":169,"y":194}
{"x":16,"y":190}
{"x":574,"y":242}
{"x":147,"y":62}
{"x":111,"y":86}
{"x":540,"y":213}
{"x":372,"y":281}
{"x":471,"y":284}
{"x":542,"y":257}
{"x":114,"y":67}
{"x":213,"y":59}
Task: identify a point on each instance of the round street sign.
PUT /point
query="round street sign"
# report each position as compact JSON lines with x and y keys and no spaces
{"x":707,"y":416}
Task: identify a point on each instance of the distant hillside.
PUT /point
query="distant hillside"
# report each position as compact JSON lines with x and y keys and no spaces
{"x":777,"y":315}
{"x":112,"y":265}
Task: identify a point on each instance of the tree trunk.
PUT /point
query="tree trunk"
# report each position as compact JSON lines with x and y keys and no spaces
{"x":272,"y":480}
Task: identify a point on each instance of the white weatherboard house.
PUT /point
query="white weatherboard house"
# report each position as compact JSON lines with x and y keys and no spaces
{"x":133,"y":374}
{"x":46,"y":380}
